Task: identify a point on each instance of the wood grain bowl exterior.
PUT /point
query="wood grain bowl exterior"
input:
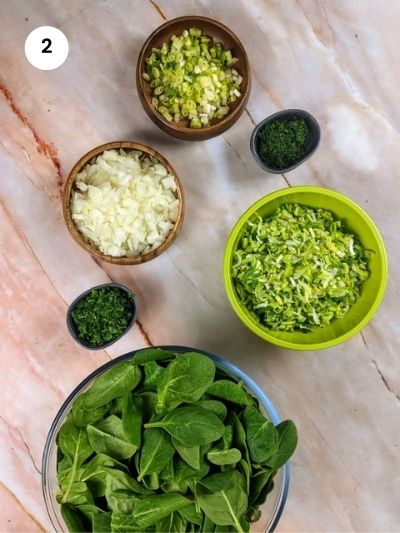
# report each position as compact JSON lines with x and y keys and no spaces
{"x":220,"y":33}
{"x":78,"y":237}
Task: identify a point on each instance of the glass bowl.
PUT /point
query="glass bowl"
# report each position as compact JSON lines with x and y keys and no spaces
{"x":271,"y":509}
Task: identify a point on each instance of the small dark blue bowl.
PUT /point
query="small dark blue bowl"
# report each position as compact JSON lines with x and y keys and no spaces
{"x":287,"y":114}
{"x":71,"y":325}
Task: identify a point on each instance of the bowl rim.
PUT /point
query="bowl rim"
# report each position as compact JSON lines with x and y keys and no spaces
{"x":231,"y":293}
{"x":78,"y":237}
{"x":221,"y":125}
{"x":225,"y":364}
{"x":72,"y":305}
{"x":315,"y":134}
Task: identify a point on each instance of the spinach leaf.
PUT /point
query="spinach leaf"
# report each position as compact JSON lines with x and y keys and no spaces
{"x":151,"y":509}
{"x":89,"y":510}
{"x":245,"y":468}
{"x":63,"y":463}
{"x":121,"y":523}
{"x":73,"y":519}
{"x":154,"y":374}
{"x":116,"y":406}
{"x":192,"y":514}
{"x":76,"y":448}
{"x":239,"y":435}
{"x":190,"y":455}
{"x":266,"y":489}
{"x":192,"y":426}
{"x":253,"y":514}
{"x":185,"y":477}
{"x":261,"y":435}
{"x":215,"y":406}
{"x":167,"y":473}
{"x":109,"y":439}
{"x":76,"y":493}
{"x":224,"y":457}
{"x":101,"y":523}
{"x":82,"y":416}
{"x":186,"y":380}
{"x":208,"y":525}
{"x":227,"y":437}
{"x":152,"y":482}
{"x":185,"y":474}
{"x":157,"y":450}
{"x":74,"y":443}
{"x":258,"y":482}
{"x":121,"y":501}
{"x":119,"y":480}
{"x":223,"y":498}
{"x":132,"y":418}
{"x":287,"y":442}
{"x":115,"y":382}
{"x":95,"y":472}
{"x":229,"y":391}
{"x":151,"y":354}
{"x":174,"y":523}
{"x":149,"y":404}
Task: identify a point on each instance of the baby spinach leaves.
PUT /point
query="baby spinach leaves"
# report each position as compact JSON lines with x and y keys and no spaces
{"x":165,"y":442}
{"x":261,"y":435}
{"x":157,"y":450}
{"x":132,"y":416}
{"x":117,"y":381}
{"x":192,"y":426}
{"x":287,"y":442}
{"x":109,"y":438}
{"x":223,"y":499}
{"x":189,"y":454}
{"x":151,"y":509}
{"x":186,"y":380}
{"x":224,"y":457}
{"x":229,"y":391}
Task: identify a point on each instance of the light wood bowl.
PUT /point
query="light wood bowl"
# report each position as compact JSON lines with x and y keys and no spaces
{"x":219,"y":33}
{"x":78,"y":237}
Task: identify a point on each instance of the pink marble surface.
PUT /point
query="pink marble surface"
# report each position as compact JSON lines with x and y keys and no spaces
{"x":339,"y":60}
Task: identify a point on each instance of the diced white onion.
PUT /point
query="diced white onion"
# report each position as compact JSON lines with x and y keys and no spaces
{"x":125,"y":204}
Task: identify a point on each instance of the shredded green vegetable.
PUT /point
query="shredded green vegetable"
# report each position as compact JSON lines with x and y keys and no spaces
{"x":298,"y":269}
{"x":192,"y":78}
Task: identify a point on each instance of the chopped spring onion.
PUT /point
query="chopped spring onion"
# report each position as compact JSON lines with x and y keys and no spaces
{"x":298,"y":269}
{"x":192,"y":78}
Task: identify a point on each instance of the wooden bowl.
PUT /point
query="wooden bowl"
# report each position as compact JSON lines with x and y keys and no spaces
{"x":219,"y":33}
{"x":78,"y":237}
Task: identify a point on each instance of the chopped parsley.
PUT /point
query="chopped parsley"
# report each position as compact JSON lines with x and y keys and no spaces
{"x":281,"y":142}
{"x":103,"y":315}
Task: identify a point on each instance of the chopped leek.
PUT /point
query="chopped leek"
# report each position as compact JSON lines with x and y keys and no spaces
{"x":192,"y":78}
{"x":298,"y":269}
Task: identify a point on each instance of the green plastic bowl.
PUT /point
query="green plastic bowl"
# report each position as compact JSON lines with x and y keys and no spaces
{"x":357,"y":222}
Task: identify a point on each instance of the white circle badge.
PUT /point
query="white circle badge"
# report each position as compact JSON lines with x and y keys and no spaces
{"x":46,"y":48}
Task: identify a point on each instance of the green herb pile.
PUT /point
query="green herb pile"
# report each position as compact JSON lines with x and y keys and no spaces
{"x":167,"y":443}
{"x":192,"y":78}
{"x":281,"y":143}
{"x":102,"y":315}
{"x":298,"y":269}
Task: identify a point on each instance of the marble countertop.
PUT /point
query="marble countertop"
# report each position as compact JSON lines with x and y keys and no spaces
{"x":337,"y":59}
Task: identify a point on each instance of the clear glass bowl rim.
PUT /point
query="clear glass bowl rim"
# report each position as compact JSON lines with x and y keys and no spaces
{"x":224,"y":364}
